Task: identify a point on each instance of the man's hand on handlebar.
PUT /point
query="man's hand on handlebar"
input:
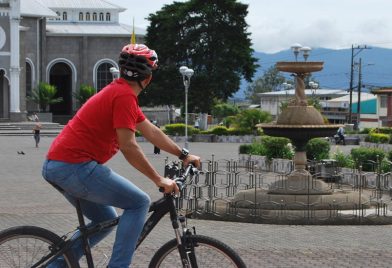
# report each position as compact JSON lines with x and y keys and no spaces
{"x":194,"y":159}
{"x":168,"y":186}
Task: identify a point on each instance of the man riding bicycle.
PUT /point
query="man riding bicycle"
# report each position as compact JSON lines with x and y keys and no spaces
{"x":106,"y":123}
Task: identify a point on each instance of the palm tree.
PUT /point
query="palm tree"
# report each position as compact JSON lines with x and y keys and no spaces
{"x":44,"y":95}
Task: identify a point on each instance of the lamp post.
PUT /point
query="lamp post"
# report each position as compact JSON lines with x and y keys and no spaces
{"x":296,"y":48}
{"x":186,"y":78}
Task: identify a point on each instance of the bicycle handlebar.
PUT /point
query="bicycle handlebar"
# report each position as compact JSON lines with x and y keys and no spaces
{"x":180,"y":181}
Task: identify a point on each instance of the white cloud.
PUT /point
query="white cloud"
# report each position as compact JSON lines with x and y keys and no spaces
{"x":276,"y":24}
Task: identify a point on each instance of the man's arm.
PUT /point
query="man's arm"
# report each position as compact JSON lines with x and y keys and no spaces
{"x":135,"y":156}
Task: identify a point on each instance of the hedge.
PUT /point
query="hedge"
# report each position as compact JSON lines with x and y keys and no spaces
{"x":179,"y":129}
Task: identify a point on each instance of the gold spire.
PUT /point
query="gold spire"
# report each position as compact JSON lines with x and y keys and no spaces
{"x":133,"y":37}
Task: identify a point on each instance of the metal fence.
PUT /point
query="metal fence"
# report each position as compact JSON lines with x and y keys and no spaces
{"x":238,"y":190}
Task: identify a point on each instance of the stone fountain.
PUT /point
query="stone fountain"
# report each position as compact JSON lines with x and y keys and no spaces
{"x":299,"y":193}
{"x":300,"y":122}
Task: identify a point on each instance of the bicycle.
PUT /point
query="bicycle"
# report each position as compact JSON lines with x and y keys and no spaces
{"x":31,"y":246}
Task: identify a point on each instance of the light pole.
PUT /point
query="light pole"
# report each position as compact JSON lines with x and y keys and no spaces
{"x":186,"y":78}
{"x":359,"y":48}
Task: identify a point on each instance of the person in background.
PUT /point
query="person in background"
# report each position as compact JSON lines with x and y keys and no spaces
{"x":156,"y":148}
{"x":37,"y":133}
{"x":340,"y":134}
{"x":104,"y":125}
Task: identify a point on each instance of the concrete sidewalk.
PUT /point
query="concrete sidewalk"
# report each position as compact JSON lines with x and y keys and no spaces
{"x":25,"y":199}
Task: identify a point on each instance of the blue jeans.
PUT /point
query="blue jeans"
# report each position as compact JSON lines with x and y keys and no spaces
{"x":99,"y":190}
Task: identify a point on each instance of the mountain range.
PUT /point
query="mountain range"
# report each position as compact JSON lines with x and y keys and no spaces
{"x":376,"y":67}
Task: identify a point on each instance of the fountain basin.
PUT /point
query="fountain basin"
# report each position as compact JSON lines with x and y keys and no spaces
{"x":299,"y":67}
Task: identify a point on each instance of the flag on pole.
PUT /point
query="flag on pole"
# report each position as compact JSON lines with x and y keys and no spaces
{"x":133,"y":37}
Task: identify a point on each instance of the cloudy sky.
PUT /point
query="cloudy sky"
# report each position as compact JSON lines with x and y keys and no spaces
{"x":277,"y":24}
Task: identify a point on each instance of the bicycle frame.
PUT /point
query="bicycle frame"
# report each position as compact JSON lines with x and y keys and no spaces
{"x":159,"y":208}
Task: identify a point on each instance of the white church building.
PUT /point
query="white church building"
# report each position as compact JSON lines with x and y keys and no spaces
{"x":65,"y":43}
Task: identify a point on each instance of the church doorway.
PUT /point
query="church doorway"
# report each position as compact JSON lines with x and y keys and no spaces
{"x":4,"y":96}
{"x":61,"y":77}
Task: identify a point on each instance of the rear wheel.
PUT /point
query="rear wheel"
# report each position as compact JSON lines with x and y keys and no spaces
{"x":209,"y":252}
{"x":24,"y":246}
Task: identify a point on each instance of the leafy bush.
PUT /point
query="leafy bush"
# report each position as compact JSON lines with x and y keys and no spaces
{"x":229,"y":121}
{"x":84,"y":93}
{"x":219,"y":131}
{"x":45,"y":95}
{"x":317,"y":149}
{"x":343,"y":160}
{"x":277,"y":147}
{"x":179,"y":129}
{"x":222,"y":110}
{"x":245,"y":148}
{"x":248,"y":119}
{"x":366,"y":157}
{"x":258,"y":149}
{"x":377,"y":138}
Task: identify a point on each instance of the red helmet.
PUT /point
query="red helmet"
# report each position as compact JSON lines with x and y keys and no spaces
{"x":137,"y":62}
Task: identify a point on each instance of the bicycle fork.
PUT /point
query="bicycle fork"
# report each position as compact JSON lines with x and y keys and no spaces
{"x":185,"y":245}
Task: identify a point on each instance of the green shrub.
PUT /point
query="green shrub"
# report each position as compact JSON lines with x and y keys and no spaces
{"x":179,"y":129}
{"x":219,"y":130}
{"x":229,"y":121}
{"x":277,"y":147}
{"x":383,"y":130}
{"x":245,"y":148}
{"x":366,"y":157}
{"x":343,"y":160}
{"x":258,"y":149}
{"x":84,"y":93}
{"x":377,"y":137}
{"x":248,"y":119}
{"x":317,"y":149}
{"x":44,"y":96}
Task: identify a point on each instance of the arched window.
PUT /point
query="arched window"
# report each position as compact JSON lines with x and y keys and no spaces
{"x":81,"y":16}
{"x":58,"y":15}
{"x":88,"y":16}
{"x":108,"y":16}
{"x":64,"y":15}
{"x":101,"y":16}
{"x":28,"y":80}
{"x":104,"y":76}
{"x":94,"y":16}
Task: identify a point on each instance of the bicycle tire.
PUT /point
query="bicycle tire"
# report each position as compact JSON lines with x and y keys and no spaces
{"x":23,"y":246}
{"x":209,"y":253}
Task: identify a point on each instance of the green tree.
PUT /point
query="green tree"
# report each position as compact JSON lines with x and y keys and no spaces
{"x":271,"y":80}
{"x":45,"y":95}
{"x":222,"y":110}
{"x":84,"y":93}
{"x":248,"y":119}
{"x":212,"y":39}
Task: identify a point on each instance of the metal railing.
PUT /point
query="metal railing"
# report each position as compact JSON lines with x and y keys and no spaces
{"x":238,"y":190}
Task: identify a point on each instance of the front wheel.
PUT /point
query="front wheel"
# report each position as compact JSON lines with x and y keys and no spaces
{"x":25,"y":246}
{"x":208,"y":251}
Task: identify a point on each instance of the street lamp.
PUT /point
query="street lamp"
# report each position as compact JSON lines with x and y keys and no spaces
{"x":296,"y":48}
{"x":186,"y":78}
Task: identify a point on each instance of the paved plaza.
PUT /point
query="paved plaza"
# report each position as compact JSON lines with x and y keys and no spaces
{"x":25,"y":199}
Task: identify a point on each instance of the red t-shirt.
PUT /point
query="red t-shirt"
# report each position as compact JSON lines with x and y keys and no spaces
{"x":91,"y":134}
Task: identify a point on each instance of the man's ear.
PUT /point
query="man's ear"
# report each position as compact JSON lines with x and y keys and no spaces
{"x":147,"y":81}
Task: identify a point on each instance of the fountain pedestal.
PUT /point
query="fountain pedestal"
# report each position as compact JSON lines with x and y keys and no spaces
{"x":300,"y":123}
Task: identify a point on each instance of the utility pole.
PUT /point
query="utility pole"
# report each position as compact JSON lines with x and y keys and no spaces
{"x":359,"y":48}
{"x":359,"y":92}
